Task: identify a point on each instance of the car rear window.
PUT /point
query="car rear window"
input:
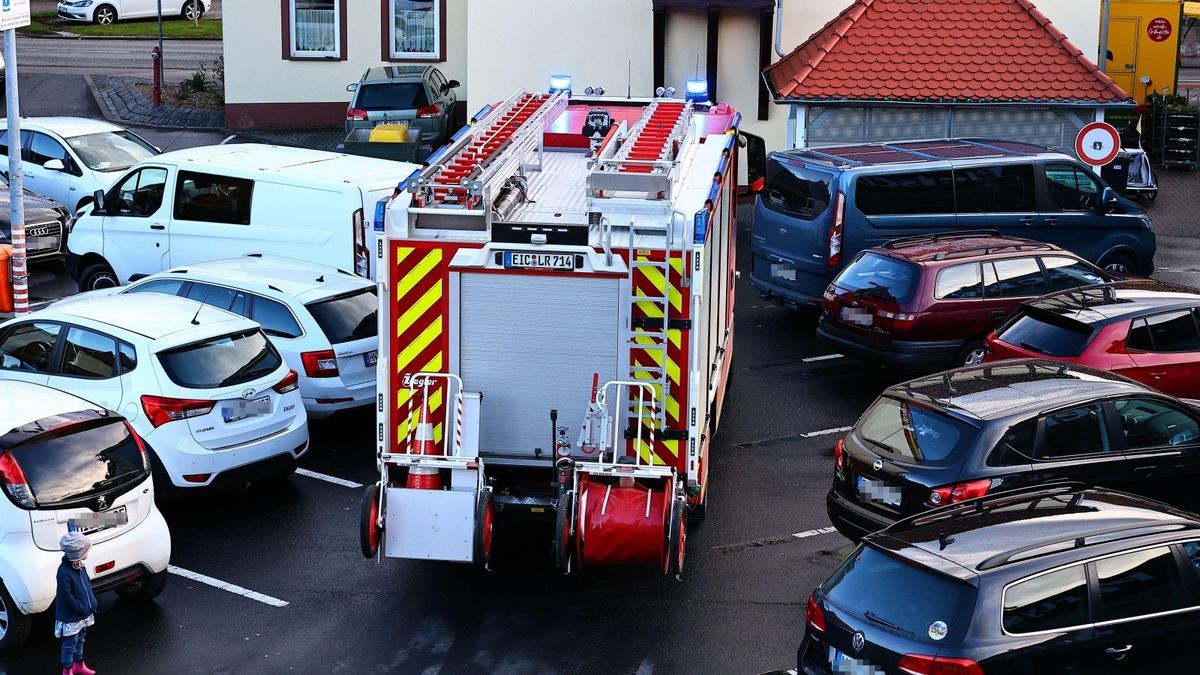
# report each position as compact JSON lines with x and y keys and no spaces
{"x":914,"y":434}
{"x":391,"y":96}
{"x":797,"y":191}
{"x":81,"y":458}
{"x":902,"y":596}
{"x":221,"y":361}
{"x":879,"y":276}
{"x":347,"y":317}
{"x":1046,"y":333}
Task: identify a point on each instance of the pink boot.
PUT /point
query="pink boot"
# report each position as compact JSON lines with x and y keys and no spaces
{"x":80,"y":668}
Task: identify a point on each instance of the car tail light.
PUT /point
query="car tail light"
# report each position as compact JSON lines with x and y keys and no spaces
{"x":429,"y":111}
{"x":160,"y":409}
{"x":839,"y":456}
{"x":920,"y":664}
{"x":813,"y":615}
{"x":140,"y":446}
{"x":290,"y":382}
{"x":895,"y":320}
{"x":320,"y":364}
{"x":14,"y":481}
{"x":835,"y":232}
{"x":829,"y":296}
{"x":362,"y":265}
{"x":356,"y":114}
{"x":961,"y":492}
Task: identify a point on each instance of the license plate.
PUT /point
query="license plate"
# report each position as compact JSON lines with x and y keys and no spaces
{"x":371,"y":358}
{"x":878,"y":492}
{"x":515,"y":260}
{"x":94,"y":522}
{"x":857,"y":316}
{"x":238,"y":410}
{"x":841,"y":663}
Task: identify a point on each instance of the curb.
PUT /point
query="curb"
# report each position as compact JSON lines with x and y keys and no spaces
{"x":72,"y":36}
{"x":116,"y":119}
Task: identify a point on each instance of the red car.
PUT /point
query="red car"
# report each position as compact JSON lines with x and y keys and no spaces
{"x":927,"y":303}
{"x":1146,"y":330}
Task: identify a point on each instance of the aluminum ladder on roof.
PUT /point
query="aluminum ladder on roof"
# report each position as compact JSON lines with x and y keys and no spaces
{"x":645,"y":162}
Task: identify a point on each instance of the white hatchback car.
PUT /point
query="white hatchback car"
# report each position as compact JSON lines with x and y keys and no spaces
{"x":205,"y":388}
{"x":63,"y":463}
{"x":321,"y":319}
{"x":105,"y":12}
{"x":68,"y":158}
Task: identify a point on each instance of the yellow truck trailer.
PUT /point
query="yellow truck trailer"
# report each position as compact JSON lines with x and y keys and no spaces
{"x":1143,"y":45}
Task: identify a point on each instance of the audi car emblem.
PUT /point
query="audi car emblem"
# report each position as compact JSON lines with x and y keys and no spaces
{"x":877,"y":465}
{"x":858,"y":641}
{"x":101,"y":503}
{"x":248,"y":393}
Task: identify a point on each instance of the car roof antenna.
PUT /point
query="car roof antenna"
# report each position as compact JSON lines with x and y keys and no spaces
{"x":202,"y":305}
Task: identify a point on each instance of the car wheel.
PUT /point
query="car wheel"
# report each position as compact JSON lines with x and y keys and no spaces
{"x":105,"y":15}
{"x":971,"y":354}
{"x":1119,"y":262}
{"x":14,"y":626}
{"x":97,"y":276}
{"x":144,"y":589}
{"x":192,"y":10}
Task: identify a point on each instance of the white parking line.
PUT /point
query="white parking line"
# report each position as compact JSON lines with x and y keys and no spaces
{"x":232,"y":588}
{"x":825,"y":432}
{"x":329,"y":479}
{"x":812,"y":533}
{"x":822,"y":358}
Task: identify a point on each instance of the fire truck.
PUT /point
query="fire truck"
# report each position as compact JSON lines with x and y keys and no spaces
{"x":556,"y":293}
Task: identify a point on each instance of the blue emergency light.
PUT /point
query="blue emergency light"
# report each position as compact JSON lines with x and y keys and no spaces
{"x":696,"y":90}
{"x":560,"y":83}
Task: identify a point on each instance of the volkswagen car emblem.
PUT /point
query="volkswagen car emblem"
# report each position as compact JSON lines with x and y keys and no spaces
{"x":248,"y":393}
{"x":101,"y":503}
{"x":877,"y":465}
{"x":858,"y":641}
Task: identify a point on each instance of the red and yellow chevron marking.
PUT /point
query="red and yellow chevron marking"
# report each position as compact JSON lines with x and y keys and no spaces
{"x":419,"y":339}
{"x":648,"y":282}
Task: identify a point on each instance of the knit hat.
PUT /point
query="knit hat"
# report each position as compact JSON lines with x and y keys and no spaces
{"x":75,"y":545}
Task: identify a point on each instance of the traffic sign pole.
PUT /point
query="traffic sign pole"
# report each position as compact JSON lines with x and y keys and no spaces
{"x":16,"y":179}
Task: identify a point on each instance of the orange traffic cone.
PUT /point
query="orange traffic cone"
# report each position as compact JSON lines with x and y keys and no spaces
{"x":424,"y":477}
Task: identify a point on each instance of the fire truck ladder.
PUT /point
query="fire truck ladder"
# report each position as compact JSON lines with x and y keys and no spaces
{"x":645,"y":161}
{"x":474,"y":165}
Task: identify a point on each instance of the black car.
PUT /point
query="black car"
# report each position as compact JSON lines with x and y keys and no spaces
{"x":1063,"y":579}
{"x":46,"y":225}
{"x":965,"y":433}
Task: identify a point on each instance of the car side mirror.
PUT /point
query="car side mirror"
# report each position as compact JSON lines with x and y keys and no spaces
{"x":756,"y":162}
{"x":452,"y":84}
{"x":54,"y":165}
{"x":353,"y":86}
{"x":1108,"y":200}
{"x":98,"y":198}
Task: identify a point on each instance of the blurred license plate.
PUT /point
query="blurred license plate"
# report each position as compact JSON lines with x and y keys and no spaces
{"x":840,"y":663}
{"x":857,"y":316}
{"x":551,"y":261}
{"x":371,"y":358}
{"x":878,"y":492}
{"x":92,"y":522}
{"x":242,"y":409}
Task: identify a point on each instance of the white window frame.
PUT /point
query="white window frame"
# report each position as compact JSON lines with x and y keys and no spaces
{"x":295,"y":52}
{"x":434,"y":54}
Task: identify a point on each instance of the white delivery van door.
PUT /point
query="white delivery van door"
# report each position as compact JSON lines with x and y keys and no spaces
{"x":211,"y":218}
{"x":136,"y":216}
{"x":529,"y":344}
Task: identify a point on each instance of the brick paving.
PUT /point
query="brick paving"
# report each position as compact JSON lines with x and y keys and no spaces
{"x":120,"y":97}
{"x":1176,"y":212}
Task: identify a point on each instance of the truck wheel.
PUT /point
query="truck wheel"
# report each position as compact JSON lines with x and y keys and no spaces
{"x":562,"y":531}
{"x":676,"y":543}
{"x":485,"y":524}
{"x":370,"y":532}
{"x":96,"y":276}
{"x":144,"y":589}
{"x":14,"y":626}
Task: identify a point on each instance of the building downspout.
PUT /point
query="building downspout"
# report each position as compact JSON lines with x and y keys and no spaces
{"x":779,"y":27}
{"x":1102,"y":59}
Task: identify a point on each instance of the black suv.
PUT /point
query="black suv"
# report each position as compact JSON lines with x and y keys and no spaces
{"x":965,"y":433}
{"x":1063,"y":579}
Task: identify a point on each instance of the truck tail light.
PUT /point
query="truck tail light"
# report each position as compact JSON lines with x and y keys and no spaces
{"x":160,"y":409}
{"x":356,"y":115}
{"x":429,"y":111}
{"x":290,"y":382}
{"x":960,"y":492}
{"x":920,"y":664}
{"x":320,"y":364}
{"x":14,"y":481}
{"x":814,"y":616}
{"x":836,"y":230}
{"x":839,"y":456}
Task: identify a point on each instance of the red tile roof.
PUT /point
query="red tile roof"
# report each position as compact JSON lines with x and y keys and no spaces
{"x":948,"y":51}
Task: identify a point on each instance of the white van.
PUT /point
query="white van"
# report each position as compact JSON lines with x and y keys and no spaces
{"x":219,"y":201}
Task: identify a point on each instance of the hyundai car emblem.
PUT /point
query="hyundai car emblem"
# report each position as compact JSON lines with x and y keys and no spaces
{"x":247,"y":393}
{"x":858,"y":641}
{"x":877,"y":465}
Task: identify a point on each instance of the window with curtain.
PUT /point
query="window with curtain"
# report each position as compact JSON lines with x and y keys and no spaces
{"x":415,"y":30}
{"x":315,"y":30}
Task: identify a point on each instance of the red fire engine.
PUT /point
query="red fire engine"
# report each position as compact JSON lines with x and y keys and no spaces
{"x":556,"y":311}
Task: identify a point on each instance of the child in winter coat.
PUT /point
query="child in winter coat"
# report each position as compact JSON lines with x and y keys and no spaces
{"x":75,"y":604}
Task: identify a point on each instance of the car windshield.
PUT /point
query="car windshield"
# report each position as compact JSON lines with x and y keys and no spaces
{"x":914,"y":434}
{"x":902,"y":597}
{"x":879,"y":276}
{"x":391,"y":96}
{"x":71,"y":457}
{"x":222,"y":361}
{"x":347,"y":317}
{"x":111,"y":150}
{"x":1046,"y":333}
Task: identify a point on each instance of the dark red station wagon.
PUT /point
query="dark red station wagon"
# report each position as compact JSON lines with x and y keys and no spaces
{"x":927,"y":303}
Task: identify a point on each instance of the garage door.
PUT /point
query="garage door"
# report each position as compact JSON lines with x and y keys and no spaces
{"x":530,"y":344}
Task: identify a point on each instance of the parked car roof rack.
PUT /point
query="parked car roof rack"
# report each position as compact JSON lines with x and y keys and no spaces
{"x":1107,"y":534}
{"x":939,"y":236}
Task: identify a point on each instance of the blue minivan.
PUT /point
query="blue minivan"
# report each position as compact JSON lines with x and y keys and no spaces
{"x":821,"y":206}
